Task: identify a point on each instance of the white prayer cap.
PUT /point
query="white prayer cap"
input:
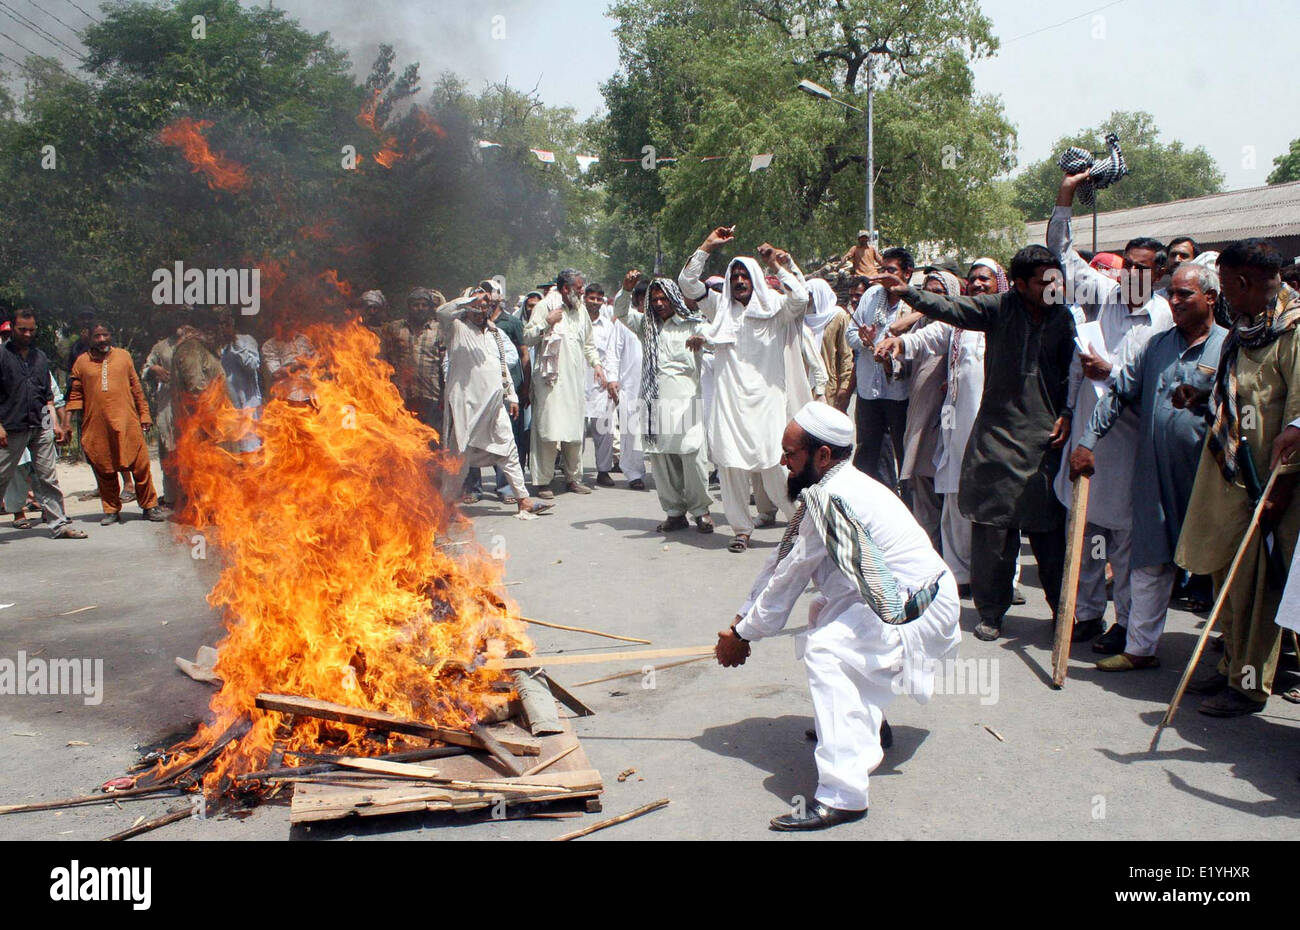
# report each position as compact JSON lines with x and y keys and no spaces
{"x":823,"y":422}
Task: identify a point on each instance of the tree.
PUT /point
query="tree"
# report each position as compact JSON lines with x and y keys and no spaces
{"x":1287,"y":167}
{"x":1160,"y":171}
{"x":717,"y":79}
{"x":355,"y":178}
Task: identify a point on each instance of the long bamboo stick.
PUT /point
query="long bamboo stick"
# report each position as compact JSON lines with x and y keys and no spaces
{"x":1069,"y":593}
{"x":1214,"y":614}
{"x":597,"y":657}
{"x":636,"y":671}
{"x":582,"y":629}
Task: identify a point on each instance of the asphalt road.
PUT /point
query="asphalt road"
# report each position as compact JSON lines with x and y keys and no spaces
{"x":727,"y":746}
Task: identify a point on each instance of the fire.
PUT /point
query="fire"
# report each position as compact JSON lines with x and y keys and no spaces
{"x":388,"y":154}
{"x":331,"y":277}
{"x":221,"y":172}
{"x":429,"y":124}
{"x":332,"y":584}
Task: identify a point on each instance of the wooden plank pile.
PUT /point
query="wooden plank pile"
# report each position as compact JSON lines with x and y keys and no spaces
{"x":499,"y":765}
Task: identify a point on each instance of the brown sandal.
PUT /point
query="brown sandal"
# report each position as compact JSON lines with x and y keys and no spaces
{"x":704,"y":523}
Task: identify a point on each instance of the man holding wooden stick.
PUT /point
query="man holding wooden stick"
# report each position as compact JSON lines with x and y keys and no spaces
{"x":886,"y":615}
{"x":1154,"y":386}
{"x":1256,"y":394}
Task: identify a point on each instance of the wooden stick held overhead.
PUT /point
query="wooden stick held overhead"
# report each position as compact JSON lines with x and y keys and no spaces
{"x":1074,"y":543}
{"x":1214,"y":614}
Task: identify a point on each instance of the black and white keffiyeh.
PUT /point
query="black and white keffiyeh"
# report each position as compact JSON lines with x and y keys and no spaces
{"x":1102,"y":172}
{"x":650,"y":361}
{"x":855,"y":553}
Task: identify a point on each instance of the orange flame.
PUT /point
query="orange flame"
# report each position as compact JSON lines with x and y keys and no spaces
{"x":331,"y":277}
{"x":332,"y":583}
{"x":221,"y":172}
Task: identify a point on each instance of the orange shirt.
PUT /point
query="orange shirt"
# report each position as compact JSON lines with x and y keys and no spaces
{"x":113,"y":407}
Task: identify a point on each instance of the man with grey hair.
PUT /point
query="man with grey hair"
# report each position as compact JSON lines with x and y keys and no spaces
{"x":560,"y":330}
{"x":1156,"y":385}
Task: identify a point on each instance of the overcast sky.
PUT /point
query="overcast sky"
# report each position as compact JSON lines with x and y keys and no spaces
{"x":1213,"y":73}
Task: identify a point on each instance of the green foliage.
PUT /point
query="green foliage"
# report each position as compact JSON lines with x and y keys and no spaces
{"x":718,"y":77}
{"x":1287,"y":167}
{"x":1160,"y":171}
{"x":282,"y":103}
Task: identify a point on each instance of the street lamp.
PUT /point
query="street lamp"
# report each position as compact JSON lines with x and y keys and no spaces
{"x":816,"y":90}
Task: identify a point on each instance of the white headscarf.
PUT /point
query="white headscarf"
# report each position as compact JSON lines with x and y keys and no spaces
{"x":764,"y":303}
{"x":825,"y":306}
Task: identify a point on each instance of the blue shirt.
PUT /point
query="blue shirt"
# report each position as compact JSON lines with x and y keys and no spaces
{"x":1169,"y":439}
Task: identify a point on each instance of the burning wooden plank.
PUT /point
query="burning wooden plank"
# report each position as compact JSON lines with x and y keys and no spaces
{"x":379,"y":720}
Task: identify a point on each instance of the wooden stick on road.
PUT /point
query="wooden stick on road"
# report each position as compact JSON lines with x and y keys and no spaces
{"x":596,"y":657}
{"x":582,"y":629}
{"x":1065,"y":599}
{"x":621,"y":818}
{"x":1214,"y":614}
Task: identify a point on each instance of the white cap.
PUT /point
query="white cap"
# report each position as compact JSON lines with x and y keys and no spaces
{"x":823,"y":422}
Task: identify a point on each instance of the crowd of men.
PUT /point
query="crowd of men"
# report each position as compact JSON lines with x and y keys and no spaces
{"x":1169,"y":376}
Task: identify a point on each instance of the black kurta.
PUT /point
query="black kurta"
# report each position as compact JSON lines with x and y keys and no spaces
{"x":1007,"y":474}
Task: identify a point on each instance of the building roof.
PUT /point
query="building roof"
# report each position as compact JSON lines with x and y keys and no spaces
{"x":1270,"y":212}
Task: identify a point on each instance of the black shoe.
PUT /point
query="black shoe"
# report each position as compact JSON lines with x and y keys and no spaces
{"x":988,"y":630}
{"x":110,"y":518}
{"x":1017,"y":598}
{"x":155,"y":515}
{"x":1230,"y":703}
{"x":1111,"y":642}
{"x":604,"y":480}
{"x":636,"y":484}
{"x":963,"y":590}
{"x":618,"y":467}
{"x":1085,"y":630}
{"x":1211,"y":683}
{"x":819,"y":818}
{"x":886,"y":734}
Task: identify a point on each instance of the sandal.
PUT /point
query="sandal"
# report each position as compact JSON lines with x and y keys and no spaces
{"x":26,"y":523}
{"x":70,"y":533}
{"x":704,"y":523}
{"x":672,"y":524}
{"x":1293,"y":695}
{"x":765,"y":520}
{"x":739,"y":543}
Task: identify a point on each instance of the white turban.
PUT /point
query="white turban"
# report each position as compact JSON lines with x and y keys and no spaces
{"x":823,"y":422}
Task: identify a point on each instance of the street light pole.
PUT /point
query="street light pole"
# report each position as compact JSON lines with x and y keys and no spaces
{"x":871,"y":154}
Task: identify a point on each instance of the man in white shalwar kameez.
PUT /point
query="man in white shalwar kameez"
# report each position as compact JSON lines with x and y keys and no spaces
{"x":631,"y":456}
{"x":480,"y":399}
{"x":560,"y":332}
{"x":1129,"y":314}
{"x":602,"y":403}
{"x":667,"y":402}
{"x":757,"y":339}
{"x":885,"y":618}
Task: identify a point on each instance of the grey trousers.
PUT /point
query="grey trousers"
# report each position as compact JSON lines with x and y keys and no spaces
{"x":927,"y":507}
{"x":45,"y":484}
{"x":602,"y":437}
{"x":682,"y":482}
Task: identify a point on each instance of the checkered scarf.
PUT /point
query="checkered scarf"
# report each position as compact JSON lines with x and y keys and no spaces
{"x":1102,"y":173}
{"x":1225,"y":430}
{"x":650,"y":360}
{"x":855,"y":553}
